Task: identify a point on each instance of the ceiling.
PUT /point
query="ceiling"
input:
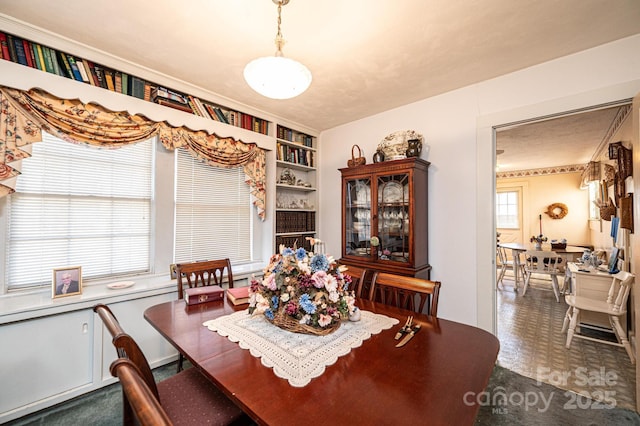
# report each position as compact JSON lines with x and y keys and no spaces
{"x":569,"y":140}
{"x":366,"y":56}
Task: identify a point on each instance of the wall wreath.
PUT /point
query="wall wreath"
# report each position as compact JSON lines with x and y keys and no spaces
{"x":557,"y":210}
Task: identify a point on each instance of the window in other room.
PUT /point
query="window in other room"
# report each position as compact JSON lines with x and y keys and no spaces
{"x":507,"y":214}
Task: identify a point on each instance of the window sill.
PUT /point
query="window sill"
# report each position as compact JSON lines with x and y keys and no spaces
{"x":20,"y":306}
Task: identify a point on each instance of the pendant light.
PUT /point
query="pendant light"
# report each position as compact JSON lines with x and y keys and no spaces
{"x":275,"y":76}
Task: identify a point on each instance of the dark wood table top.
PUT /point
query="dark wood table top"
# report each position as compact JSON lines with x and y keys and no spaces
{"x":434,"y":379}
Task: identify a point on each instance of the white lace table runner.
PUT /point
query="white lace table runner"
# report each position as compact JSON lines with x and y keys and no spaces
{"x":297,"y":357}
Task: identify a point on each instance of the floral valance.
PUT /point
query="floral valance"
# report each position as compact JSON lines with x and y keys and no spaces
{"x":25,"y":114}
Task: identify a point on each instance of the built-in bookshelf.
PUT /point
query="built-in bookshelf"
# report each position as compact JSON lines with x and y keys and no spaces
{"x":35,"y":55}
{"x":296,"y":199}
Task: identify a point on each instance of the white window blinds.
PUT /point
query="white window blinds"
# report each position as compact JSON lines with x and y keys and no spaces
{"x":213,"y":212}
{"x":77,"y":205}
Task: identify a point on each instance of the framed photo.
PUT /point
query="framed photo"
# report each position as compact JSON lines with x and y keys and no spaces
{"x":67,"y":281}
{"x":172,"y":271}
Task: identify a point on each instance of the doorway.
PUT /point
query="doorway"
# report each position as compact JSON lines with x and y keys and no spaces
{"x":529,"y":327}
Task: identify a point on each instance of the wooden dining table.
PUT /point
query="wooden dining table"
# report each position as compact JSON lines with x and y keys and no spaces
{"x":436,"y":378}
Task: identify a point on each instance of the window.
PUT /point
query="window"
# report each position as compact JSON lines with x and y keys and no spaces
{"x":507,"y":215}
{"x":213,"y":212}
{"x":77,"y":205}
{"x":594,"y":195}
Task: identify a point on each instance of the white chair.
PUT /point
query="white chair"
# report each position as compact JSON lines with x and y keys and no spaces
{"x":544,"y":263}
{"x":504,"y":264}
{"x":615,"y":306}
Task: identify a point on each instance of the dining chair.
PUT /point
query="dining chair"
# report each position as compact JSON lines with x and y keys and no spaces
{"x":200,"y":274}
{"x":359,"y":282}
{"x":543,"y":263}
{"x":505,"y":264}
{"x":187,"y":397}
{"x":402,"y":292}
{"x":139,"y":401}
{"x":615,"y":306}
{"x":204,"y":273}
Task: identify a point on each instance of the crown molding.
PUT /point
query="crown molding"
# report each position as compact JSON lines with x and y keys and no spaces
{"x":575,"y":168}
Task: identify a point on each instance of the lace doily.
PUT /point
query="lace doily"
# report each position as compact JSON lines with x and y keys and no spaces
{"x":296,"y":357}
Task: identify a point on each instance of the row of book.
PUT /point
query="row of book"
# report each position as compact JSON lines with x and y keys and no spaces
{"x":298,"y":240}
{"x":294,"y":136}
{"x":44,"y":58}
{"x":294,"y":155}
{"x":287,"y":221}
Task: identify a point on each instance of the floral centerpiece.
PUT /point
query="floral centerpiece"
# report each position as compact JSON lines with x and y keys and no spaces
{"x":303,"y":292}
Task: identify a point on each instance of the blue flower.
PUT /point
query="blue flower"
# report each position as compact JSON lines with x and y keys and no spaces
{"x":287,"y":251}
{"x":301,"y":254}
{"x":307,"y":305}
{"x":274,"y":302}
{"x":269,"y":314}
{"x":319,"y":262}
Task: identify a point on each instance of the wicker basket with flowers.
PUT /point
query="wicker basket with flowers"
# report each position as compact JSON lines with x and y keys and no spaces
{"x":302,"y":292}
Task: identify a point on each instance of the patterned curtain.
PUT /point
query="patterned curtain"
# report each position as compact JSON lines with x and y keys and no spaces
{"x":24,"y":115}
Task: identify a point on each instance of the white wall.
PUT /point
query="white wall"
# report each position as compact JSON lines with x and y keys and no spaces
{"x":457,"y":127}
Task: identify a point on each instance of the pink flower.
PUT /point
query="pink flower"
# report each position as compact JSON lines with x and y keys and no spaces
{"x":319,"y":279}
{"x":270,"y":282}
{"x":324,"y":320}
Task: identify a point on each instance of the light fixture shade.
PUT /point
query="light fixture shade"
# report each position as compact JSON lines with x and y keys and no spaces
{"x":277,"y":77}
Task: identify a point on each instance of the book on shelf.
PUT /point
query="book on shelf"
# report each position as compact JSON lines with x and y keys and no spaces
{"x":19,"y":49}
{"x":90,"y":72}
{"x":148,"y":88}
{"x":108,"y":75}
{"x":12,"y":48}
{"x":117,"y":76}
{"x":77,"y":75}
{"x":238,"y":295}
{"x":4,"y":46}
{"x":37,"y":53}
{"x":174,"y":104}
{"x":83,"y":72}
{"x":137,"y":87}
{"x":29,"y":54}
{"x":48,"y":63}
{"x":125,"y":83}
{"x":102,"y":78}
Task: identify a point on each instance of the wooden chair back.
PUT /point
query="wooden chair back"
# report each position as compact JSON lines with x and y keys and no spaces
{"x":543,"y":262}
{"x":199,"y":274}
{"x":140,"y":404}
{"x":126,"y":347}
{"x":359,"y":282}
{"x":619,"y":291}
{"x":402,"y":292}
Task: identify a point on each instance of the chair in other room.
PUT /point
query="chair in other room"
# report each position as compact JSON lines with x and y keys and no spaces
{"x":359,"y":282}
{"x":200,"y":274}
{"x":615,"y":306}
{"x":504,"y":264}
{"x":188,"y":397}
{"x":543,"y":263}
{"x":405,"y":292}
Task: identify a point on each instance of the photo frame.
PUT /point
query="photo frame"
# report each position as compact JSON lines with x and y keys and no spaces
{"x":66,"y":281}
{"x":172,"y":271}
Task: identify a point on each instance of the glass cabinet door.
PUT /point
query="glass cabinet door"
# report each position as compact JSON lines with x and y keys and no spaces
{"x":393,"y":217}
{"x":358,"y":217}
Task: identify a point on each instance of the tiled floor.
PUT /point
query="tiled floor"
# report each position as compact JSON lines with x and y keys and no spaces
{"x":532,"y":344}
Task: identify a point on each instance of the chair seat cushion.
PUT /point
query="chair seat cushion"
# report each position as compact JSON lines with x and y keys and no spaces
{"x":585,"y":303}
{"x":189,"y":398}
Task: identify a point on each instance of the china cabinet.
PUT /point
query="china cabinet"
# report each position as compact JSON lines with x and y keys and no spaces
{"x":385,"y":217}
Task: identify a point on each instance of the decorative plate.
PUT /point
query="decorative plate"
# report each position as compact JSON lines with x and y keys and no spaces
{"x":363,"y":194}
{"x":120,"y":285}
{"x":391,"y":192}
